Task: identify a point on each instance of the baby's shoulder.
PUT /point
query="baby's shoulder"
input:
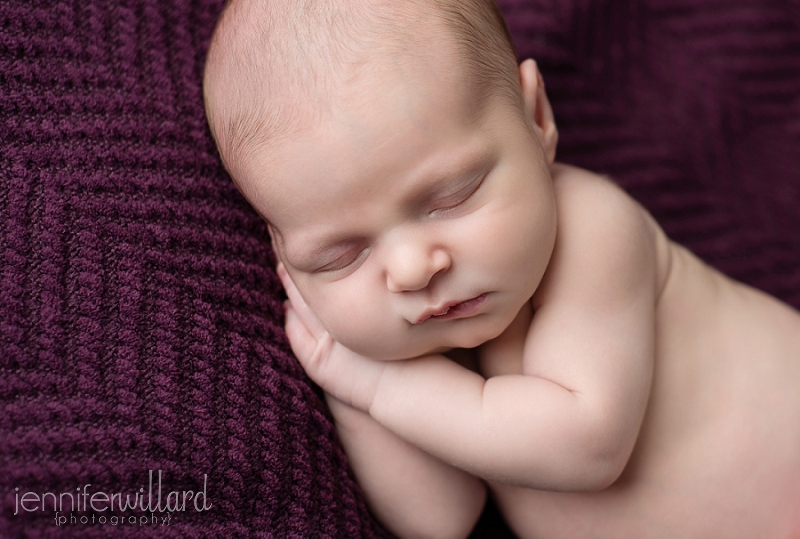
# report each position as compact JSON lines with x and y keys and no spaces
{"x":586,"y":196}
{"x":603,"y":233}
{"x":595,"y":211}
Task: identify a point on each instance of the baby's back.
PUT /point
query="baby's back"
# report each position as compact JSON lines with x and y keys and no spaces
{"x":718,"y":454}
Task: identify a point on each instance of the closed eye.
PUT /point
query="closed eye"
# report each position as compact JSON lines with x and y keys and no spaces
{"x":347,"y":261}
{"x":453,"y":202}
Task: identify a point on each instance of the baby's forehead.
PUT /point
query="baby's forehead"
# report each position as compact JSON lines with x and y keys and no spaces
{"x":295,"y":38}
{"x":336,"y":139}
{"x":272,"y":69}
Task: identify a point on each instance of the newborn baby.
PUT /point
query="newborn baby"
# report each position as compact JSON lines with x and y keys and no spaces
{"x":482,"y":318}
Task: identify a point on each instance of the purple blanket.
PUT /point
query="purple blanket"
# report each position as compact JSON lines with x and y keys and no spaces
{"x":140,"y":318}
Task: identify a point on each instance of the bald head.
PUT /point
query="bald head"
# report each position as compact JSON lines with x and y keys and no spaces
{"x":276,"y":66}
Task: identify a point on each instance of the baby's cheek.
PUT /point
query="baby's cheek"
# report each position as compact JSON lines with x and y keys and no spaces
{"x":352,"y":320}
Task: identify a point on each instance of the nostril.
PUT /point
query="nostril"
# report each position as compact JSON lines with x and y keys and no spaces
{"x":441,"y":261}
{"x":416,"y":273}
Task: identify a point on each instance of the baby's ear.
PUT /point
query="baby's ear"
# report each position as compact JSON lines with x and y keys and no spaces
{"x":537,"y":107}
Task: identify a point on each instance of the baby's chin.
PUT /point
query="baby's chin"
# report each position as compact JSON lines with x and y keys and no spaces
{"x":402,"y":357}
{"x":404,"y":353}
{"x":401,"y":353}
{"x":467,"y":333}
{"x":472,"y":334}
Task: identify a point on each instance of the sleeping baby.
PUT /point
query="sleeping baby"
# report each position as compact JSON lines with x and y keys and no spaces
{"x":484,"y":320}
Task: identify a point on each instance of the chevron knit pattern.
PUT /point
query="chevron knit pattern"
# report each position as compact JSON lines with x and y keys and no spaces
{"x":694,"y":107}
{"x":140,"y":319}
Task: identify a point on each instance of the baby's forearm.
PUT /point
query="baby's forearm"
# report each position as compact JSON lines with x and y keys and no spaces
{"x":411,"y":492}
{"x":515,"y":429}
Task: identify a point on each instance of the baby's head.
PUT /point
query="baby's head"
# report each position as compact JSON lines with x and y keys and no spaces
{"x":400,"y":157}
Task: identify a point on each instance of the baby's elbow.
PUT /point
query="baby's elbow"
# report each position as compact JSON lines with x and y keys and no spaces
{"x":603,"y":474}
{"x":604,"y":465}
{"x":582,"y":474}
{"x":593,"y":463}
{"x":607,"y":445}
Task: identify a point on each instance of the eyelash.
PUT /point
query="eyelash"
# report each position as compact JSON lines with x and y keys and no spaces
{"x":462,"y":200}
{"x":337,"y":267}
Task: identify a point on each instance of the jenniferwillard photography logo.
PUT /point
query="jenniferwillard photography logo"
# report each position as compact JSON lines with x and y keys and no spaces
{"x":89,"y":506}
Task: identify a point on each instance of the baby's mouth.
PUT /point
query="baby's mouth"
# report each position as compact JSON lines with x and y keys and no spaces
{"x":444,"y":312}
{"x":458,"y":309}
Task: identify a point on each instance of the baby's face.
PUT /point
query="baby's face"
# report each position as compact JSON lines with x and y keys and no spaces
{"x":408,"y":224}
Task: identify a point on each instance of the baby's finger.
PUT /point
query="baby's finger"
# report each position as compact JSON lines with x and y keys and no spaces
{"x":283,"y":275}
{"x":303,"y":311}
{"x":303,"y":342}
{"x":291,"y":289}
{"x":286,"y":279}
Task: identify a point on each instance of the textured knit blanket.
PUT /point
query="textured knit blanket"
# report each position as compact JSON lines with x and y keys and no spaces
{"x":142,"y":357}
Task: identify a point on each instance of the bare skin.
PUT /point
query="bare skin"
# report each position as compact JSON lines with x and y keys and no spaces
{"x":617,"y":386}
{"x":717,"y":453}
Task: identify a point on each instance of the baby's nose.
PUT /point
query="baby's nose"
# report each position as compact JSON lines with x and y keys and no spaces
{"x":411,"y":266}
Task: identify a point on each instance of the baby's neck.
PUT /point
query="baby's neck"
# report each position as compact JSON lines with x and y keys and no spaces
{"x":466,"y":357}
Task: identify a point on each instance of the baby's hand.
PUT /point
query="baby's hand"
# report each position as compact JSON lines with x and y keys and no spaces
{"x":347,"y":376}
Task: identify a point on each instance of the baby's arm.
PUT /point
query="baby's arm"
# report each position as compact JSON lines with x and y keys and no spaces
{"x":411,"y":492}
{"x":571,"y":419}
